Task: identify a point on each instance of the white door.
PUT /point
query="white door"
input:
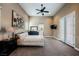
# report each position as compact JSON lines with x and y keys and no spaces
{"x":70,"y":29}
{"x":62,"y":29}
{"x":41,"y":29}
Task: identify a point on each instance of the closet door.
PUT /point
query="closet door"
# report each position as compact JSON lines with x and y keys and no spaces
{"x":70,"y":29}
{"x":62,"y":29}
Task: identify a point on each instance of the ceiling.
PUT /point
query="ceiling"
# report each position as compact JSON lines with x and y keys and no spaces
{"x":30,"y":8}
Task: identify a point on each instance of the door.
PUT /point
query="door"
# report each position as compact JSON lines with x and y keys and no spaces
{"x":41,"y":29}
{"x":62,"y":29}
{"x":70,"y":29}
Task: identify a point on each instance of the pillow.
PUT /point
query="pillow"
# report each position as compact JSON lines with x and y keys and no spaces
{"x":23,"y":35}
{"x":33,"y":33}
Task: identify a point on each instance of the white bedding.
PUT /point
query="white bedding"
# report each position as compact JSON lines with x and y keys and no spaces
{"x":31,"y":39}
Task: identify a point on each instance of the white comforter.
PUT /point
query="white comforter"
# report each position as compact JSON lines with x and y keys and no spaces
{"x":31,"y":39}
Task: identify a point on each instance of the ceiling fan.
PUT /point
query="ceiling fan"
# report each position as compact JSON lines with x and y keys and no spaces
{"x":42,"y":10}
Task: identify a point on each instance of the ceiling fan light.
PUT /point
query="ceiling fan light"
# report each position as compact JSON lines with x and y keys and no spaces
{"x":42,"y":13}
{"x":41,"y":4}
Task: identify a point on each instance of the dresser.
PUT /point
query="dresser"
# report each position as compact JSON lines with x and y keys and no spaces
{"x":7,"y":46}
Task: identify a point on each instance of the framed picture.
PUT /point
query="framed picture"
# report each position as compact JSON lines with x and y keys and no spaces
{"x":33,"y":28}
{"x":17,"y":20}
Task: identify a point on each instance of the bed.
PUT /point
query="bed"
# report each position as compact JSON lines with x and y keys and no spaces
{"x":31,"y":40}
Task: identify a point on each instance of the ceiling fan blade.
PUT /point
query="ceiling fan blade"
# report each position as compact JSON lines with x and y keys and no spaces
{"x":37,"y":9}
{"x":46,"y":11}
{"x":38,"y":12}
{"x":43,"y":8}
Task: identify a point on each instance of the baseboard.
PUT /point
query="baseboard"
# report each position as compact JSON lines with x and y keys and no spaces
{"x":55,"y":37}
{"x":48,"y":36}
{"x":76,"y":48}
{"x":51,"y":37}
